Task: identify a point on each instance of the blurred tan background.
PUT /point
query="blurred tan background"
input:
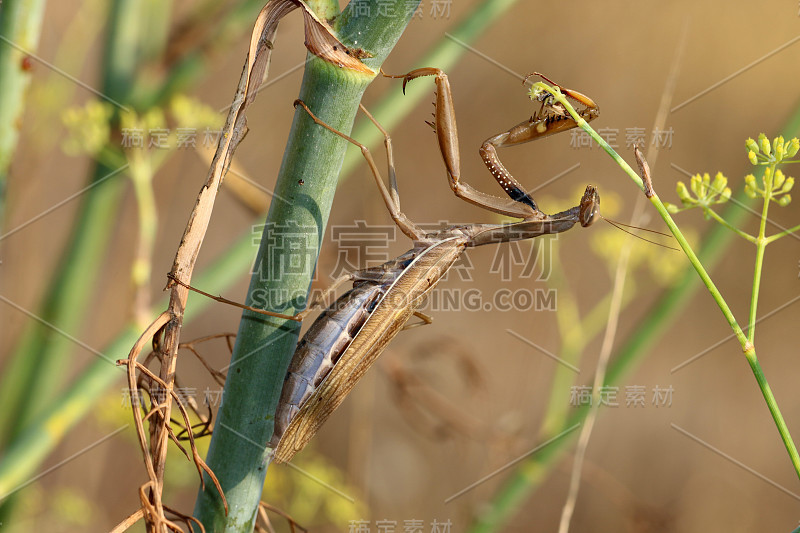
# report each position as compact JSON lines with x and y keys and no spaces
{"x":641,"y":473}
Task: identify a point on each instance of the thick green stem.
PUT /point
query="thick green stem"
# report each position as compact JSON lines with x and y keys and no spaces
{"x":296,"y":222}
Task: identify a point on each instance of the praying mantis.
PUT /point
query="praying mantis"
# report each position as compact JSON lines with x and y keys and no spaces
{"x":349,"y":336}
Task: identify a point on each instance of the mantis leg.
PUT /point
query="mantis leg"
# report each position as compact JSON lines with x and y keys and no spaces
{"x":550,"y":119}
{"x":391,"y":198}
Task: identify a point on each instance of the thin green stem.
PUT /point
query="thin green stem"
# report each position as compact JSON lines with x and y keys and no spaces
{"x":772,"y":404}
{"x":645,"y":335}
{"x":744,"y":235}
{"x":747,"y":346}
{"x":576,"y":333}
{"x":662,"y":210}
{"x":701,"y":271}
{"x":761,"y":247}
{"x":142,"y":173}
{"x":783,"y":233}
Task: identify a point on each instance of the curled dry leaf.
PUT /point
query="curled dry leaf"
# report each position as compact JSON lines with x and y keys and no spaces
{"x":322,"y":42}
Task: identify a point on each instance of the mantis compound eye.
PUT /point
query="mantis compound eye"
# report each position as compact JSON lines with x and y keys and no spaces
{"x":590,"y":206}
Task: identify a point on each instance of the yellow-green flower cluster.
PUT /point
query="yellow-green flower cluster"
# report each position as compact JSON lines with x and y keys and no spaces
{"x":762,"y":153}
{"x":776,"y":186}
{"x":191,"y":113}
{"x":704,"y":192}
{"x":88,"y":128}
{"x":152,"y":119}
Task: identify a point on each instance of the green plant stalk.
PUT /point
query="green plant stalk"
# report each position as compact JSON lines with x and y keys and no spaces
{"x":20,"y":24}
{"x":740,"y":233}
{"x":25,"y":454}
{"x":761,"y":247}
{"x":576,"y":337}
{"x":142,"y":174}
{"x":527,"y":477}
{"x":576,"y":332}
{"x":238,"y":452}
{"x":784,"y":233}
{"x":747,"y":345}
